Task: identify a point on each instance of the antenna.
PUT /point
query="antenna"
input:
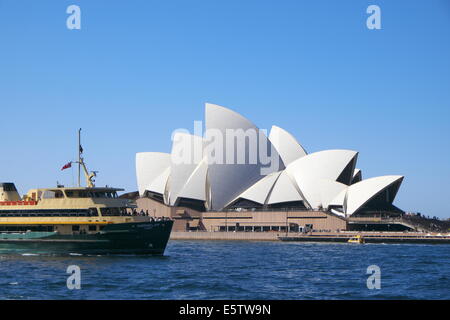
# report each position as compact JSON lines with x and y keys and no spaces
{"x":90,"y":182}
{"x":79,"y":157}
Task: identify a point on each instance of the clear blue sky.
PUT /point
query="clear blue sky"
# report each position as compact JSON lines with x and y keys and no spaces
{"x":137,"y":70}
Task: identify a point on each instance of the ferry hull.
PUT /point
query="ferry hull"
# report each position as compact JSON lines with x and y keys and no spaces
{"x":120,"y":238}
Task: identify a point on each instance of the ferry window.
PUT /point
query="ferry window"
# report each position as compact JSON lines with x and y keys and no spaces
{"x":100,"y":195}
{"x":52,"y":194}
{"x":79,"y":194}
{"x":92,"y":228}
{"x":75,"y":228}
{"x":69,"y":194}
{"x":110,"y":211}
{"x":49,"y":213}
{"x":93,"y":212}
{"x":9,"y":187}
{"x":48,"y":195}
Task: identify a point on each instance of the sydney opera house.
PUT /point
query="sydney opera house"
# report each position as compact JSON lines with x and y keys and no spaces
{"x":236,"y":177}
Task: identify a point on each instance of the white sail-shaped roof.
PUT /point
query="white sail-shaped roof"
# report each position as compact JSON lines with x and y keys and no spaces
{"x":149,"y":165}
{"x":236,"y":160}
{"x":260,"y":191}
{"x":338,"y":213}
{"x":357,"y":176}
{"x":286,"y":145}
{"x":284,"y":190}
{"x":195,"y":186}
{"x":339,"y":199}
{"x":330,"y":165}
{"x":228,"y":179}
{"x":328,"y":191}
{"x":158,"y":184}
{"x":361,"y":192}
{"x":187,"y":152}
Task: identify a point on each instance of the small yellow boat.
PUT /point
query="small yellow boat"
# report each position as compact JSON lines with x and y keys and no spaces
{"x":356,"y":239}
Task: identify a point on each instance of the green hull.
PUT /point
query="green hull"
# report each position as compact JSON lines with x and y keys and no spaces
{"x":120,"y":238}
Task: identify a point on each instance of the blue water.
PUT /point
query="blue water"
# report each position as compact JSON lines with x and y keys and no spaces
{"x":236,"y":270}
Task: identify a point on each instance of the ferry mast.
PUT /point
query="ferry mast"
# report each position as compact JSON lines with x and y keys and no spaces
{"x":79,"y":157}
{"x":90,"y":182}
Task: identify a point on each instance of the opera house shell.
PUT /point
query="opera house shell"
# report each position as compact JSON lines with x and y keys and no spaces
{"x":325,"y":181}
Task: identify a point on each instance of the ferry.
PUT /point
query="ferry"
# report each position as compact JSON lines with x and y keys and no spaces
{"x":78,"y":220}
{"x":356,"y":239}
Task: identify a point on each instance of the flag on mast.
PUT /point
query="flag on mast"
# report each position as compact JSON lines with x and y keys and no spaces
{"x":81,"y":149}
{"x":67,"y":166}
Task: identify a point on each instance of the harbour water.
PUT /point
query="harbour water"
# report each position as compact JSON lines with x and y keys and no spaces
{"x":235,"y":270}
